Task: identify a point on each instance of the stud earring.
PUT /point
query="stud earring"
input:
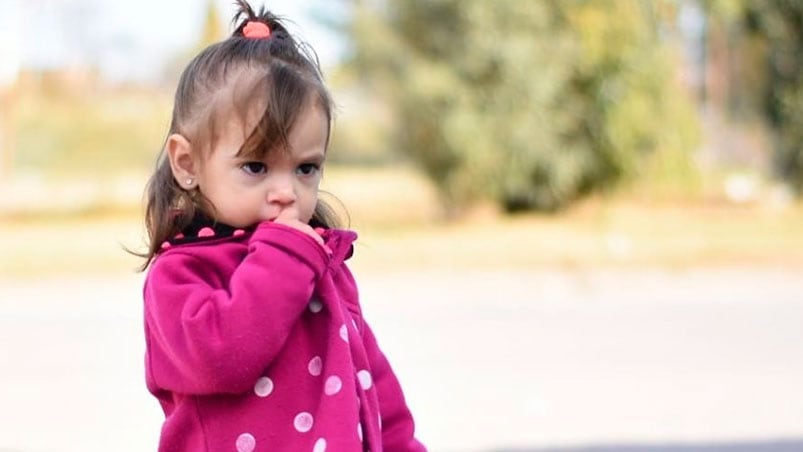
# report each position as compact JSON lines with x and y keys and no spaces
{"x":189,"y":181}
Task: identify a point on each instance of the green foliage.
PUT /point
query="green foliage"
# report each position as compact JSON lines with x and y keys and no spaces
{"x":212,"y":30}
{"x":726,"y":10}
{"x":780,"y":22}
{"x":769,"y":34}
{"x":531,"y":104}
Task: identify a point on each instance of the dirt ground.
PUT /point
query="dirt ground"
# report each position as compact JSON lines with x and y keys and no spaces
{"x":490,"y":360}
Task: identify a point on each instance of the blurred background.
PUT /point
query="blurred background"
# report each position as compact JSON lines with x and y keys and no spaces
{"x":580,"y":220}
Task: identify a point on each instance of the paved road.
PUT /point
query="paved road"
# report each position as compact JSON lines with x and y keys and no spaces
{"x":743,"y":446}
{"x":704,"y":360}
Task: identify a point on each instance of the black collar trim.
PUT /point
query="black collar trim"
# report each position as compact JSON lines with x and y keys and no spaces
{"x":203,"y":229}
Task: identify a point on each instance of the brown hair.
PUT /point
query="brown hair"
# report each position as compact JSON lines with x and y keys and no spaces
{"x":287,"y":73}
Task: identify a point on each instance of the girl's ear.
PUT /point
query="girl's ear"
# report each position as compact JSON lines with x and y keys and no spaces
{"x":182,"y":161}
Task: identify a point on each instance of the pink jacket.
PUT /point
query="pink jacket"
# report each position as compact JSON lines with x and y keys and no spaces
{"x":256,"y":343}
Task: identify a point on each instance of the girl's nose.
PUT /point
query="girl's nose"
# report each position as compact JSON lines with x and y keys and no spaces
{"x":282,"y":193}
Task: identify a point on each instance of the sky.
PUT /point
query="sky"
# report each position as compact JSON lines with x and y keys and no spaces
{"x":132,"y":40}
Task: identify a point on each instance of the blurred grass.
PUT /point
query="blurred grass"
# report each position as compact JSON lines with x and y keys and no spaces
{"x":74,"y":202}
{"x":394,"y":211}
{"x":87,"y":131}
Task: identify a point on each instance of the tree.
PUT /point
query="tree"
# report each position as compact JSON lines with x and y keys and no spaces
{"x":774,"y":32}
{"x":780,"y":22}
{"x":212,"y":30}
{"x":530,"y":104}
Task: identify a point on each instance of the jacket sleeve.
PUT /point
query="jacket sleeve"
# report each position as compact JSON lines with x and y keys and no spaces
{"x":398,"y":427}
{"x":208,"y":337}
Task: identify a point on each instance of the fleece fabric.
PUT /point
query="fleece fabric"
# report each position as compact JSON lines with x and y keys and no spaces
{"x":256,"y":342}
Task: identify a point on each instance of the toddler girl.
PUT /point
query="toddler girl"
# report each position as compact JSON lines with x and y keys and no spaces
{"x":255,"y":338}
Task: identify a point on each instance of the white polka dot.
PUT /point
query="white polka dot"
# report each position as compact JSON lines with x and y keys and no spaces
{"x":333,"y":385}
{"x":344,"y":333}
{"x":246,"y":443}
{"x":315,"y":366}
{"x":365,"y":379}
{"x":320,"y":445}
{"x":303,"y":422}
{"x":359,"y":431}
{"x":263,"y":387}
{"x":315,"y":306}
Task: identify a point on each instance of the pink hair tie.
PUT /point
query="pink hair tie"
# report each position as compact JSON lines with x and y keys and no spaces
{"x":256,"y":30}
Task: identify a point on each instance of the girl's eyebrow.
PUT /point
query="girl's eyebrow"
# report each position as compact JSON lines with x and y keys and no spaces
{"x":314,"y":155}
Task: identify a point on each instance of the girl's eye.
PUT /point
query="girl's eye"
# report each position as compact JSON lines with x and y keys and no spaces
{"x":308,"y":169}
{"x":254,"y":167}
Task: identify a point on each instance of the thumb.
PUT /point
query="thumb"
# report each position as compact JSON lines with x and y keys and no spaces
{"x":288,"y":214}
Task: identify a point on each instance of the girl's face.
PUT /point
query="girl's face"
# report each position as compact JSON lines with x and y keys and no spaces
{"x":285,"y":183}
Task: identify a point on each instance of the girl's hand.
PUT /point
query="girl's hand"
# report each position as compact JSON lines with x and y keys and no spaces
{"x":289,"y":217}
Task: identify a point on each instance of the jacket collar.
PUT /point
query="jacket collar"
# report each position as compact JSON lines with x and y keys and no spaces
{"x":204,"y":229}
